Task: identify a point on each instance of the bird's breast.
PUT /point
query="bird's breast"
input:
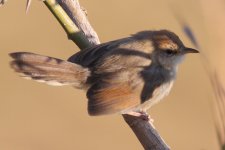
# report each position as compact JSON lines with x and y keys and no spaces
{"x":157,"y":83}
{"x":158,"y":94}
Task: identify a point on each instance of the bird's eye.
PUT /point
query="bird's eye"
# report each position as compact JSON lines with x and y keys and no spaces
{"x":169,"y":52}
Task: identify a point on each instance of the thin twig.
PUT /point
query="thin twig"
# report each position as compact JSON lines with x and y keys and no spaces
{"x":73,"y":32}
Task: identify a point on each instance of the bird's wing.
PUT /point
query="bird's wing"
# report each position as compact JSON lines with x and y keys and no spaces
{"x":89,"y":56}
{"x":116,"y":92}
{"x":123,"y":49}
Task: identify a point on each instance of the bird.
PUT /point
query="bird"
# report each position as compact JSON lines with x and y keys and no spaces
{"x":124,"y":76}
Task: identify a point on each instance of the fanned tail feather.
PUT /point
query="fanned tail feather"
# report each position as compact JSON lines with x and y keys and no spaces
{"x":50,"y":70}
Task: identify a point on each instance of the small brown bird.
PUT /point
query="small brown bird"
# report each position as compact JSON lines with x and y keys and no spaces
{"x":125,"y":76}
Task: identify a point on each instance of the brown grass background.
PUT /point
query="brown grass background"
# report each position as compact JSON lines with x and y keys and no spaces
{"x":35,"y":116}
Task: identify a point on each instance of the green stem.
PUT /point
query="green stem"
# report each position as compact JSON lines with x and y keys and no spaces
{"x":70,"y":28}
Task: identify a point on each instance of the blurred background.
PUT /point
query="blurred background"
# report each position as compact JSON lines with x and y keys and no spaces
{"x":36,"y":116}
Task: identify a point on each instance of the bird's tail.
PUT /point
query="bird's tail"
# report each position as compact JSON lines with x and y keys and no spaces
{"x":50,"y":70}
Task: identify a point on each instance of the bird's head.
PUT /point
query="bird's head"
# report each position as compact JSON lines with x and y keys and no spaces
{"x":169,"y":50}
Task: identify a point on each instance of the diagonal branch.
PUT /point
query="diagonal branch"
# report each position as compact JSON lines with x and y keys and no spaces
{"x":146,"y":133}
{"x":73,"y":19}
{"x":75,"y":33}
{"x":79,"y":17}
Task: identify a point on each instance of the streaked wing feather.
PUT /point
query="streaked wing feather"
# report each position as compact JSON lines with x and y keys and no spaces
{"x":124,"y":52}
{"x":88,"y":56}
{"x":115,"y":93}
{"x":112,"y":99}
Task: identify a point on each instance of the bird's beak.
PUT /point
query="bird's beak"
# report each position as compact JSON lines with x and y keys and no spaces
{"x":190,"y":50}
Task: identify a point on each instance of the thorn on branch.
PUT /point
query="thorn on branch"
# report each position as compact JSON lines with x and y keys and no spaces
{"x":28,"y":5}
{"x":84,"y":10}
{"x":2,"y":2}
